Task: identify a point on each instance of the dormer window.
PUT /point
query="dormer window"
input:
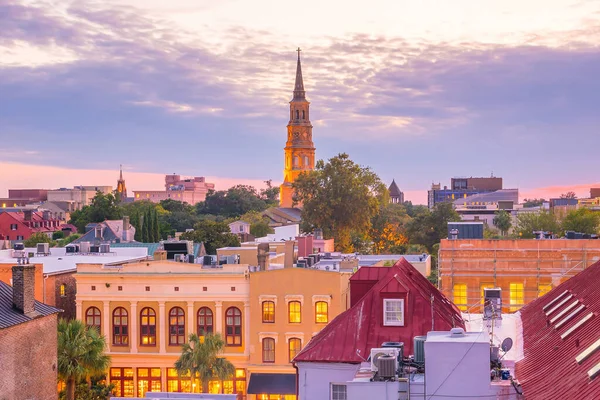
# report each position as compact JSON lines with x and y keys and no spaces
{"x":393,"y":312}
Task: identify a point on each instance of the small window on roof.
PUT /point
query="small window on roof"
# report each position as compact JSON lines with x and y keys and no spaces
{"x":393,"y":312}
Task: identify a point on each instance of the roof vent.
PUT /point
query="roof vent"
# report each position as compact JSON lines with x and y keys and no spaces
{"x":457,"y":332}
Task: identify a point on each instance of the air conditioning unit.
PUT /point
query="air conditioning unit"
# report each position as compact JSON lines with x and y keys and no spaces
{"x":492,"y":303}
{"x":43,"y":248}
{"x":377,"y":353}
{"x":387,"y":367}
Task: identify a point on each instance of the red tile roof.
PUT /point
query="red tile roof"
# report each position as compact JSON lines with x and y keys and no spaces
{"x":549,"y":369}
{"x":36,"y":216}
{"x":361,"y":328}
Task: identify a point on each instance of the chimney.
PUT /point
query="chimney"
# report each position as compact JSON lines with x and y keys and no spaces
{"x":126,"y":227}
{"x":160,"y":255}
{"x":289,"y":254}
{"x":46,"y":215}
{"x":23,"y":288}
{"x":28,"y":214}
{"x":262,"y":255}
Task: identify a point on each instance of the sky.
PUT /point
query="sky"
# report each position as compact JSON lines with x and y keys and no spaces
{"x":420,"y":91}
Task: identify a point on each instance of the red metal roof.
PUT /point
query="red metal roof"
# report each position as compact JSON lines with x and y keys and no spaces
{"x":549,"y":369}
{"x":361,"y":327}
{"x":369,"y":274}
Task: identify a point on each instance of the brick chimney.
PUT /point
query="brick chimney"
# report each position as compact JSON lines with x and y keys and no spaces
{"x":27,"y":215}
{"x":23,"y":288}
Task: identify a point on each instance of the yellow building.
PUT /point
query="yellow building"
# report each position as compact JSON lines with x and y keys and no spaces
{"x":288,"y":307}
{"x":147,"y":310}
{"x":299,"y":148}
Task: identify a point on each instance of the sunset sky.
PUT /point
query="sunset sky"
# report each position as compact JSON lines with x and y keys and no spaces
{"x":420,"y":91}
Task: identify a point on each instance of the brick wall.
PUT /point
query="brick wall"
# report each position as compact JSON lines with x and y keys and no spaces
{"x":56,"y":299}
{"x":28,"y":360}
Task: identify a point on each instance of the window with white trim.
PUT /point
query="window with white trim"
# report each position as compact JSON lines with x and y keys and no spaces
{"x":338,"y":392}
{"x":393,"y":312}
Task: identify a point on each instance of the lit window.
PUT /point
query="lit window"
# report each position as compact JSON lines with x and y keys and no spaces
{"x":148,"y":380}
{"x":268,"y":312}
{"x":321,"y":312}
{"x":460,"y":296}
{"x":205,"y":321}
{"x":122,"y":378}
{"x":338,"y":392}
{"x":294,"y":346}
{"x":148,"y":327}
{"x":294,"y":311}
{"x":179,"y":383}
{"x":516,"y":296}
{"x":92,"y":318}
{"x":120,"y":327}
{"x":63,"y":290}
{"x":393,"y":312}
{"x":176,"y":326}
{"x":543,"y":289}
{"x":233,"y":327}
{"x":268,"y":345}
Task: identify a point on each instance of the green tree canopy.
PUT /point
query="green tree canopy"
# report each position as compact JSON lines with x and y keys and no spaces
{"x":529,"y":222}
{"x":35,"y":238}
{"x":581,"y":220}
{"x":233,"y":202}
{"x":503,"y":221}
{"x":103,"y":207}
{"x":213,"y":234}
{"x":80,"y":354}
{"x":527,"y":203}
{"x":340,"y":197}
{"x":430,"y":227}
{"x":200,"y":358}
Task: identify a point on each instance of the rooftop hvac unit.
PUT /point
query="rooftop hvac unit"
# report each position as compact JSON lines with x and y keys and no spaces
{"x":105,"y":248}
{"x":419,"y":344}
{"x":43,"y":248}
{"x":377,"y":353}
{"x":190,"y":258}
{"x":94,"y":249}
{"x":18,"y":246}
{"x":207,"y":260}
{"x":492,"y":303}
{"x":84,"y":247}
{"x":327,"y":256}
{"x":72,"y":249}
{"x":386,"y":366}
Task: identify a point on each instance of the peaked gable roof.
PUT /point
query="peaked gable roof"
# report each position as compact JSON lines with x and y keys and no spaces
{"x":359,"y":329}
{"x":394,"y":189}
{"x":11,"y":317}
{"x":558,"y":330}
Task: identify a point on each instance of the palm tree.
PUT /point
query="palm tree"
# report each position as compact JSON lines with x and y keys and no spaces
{"x":199,"y":358}
{"x":80,"y":353}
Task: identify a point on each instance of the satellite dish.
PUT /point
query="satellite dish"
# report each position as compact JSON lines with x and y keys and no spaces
{"x":506,"y":344}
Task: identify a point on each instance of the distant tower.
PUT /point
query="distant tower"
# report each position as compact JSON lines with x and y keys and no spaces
{"x":121,"y":188}
{"x":299,"y":149}
{"x":396,"y":196}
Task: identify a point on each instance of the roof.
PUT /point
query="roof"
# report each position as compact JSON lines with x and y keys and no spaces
{"x":359,"y":329}
{"x":394,"y":189}
{"x":561,"y":340}
{"x":372,"y":274}
{"x":112,"y":231}
{"x":36,"y":216}
{"x":152,"y":247}
{"x":10,"y":317}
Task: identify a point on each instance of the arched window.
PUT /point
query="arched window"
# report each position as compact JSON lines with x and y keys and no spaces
{"x":233,"y":327}
{"x":294,"y":346}
{"x":176,"y":326}
{"x":294,"y":311}
{"x":321,"y":312}
{"x":296,"y":161}
{"x":93,"y":318}
{"x":268,"y":312}
{"x":306,"y":161}
{"x":303,"y":117}
{"x":297,"y":114}
{"x":205,"y":321}
{"x":63,"y":290}
{"x":147,"y":327}
{"x":120,"y":327}
{"x":268,"y":345}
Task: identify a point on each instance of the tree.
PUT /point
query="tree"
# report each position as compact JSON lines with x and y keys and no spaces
{"x":581,"y":220}
{"x":233,"y":202}
{"x":144,"y":221}
{"x":58,"y":235}
{"x":529,"y":222}
{"x":213,"y":234}
{"x":97,"y":391}
{"x":340,"y":197}
{"x":103,"y":207}
{"x":199,"y":358}
{"x":270,"y":194}
{"x":502,"y":221}
{"x":528,"y":203}
{"x":80,"y":353}
{"x":430,"y":227}
{"x":35,"y":238}
{"x":155,"y":227}
{"x":568,"y":195}
{"x":259,"y":224}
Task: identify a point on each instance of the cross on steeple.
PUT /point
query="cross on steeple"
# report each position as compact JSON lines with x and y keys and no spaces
{"x":299,"y":85}
{"x":298,"y":50}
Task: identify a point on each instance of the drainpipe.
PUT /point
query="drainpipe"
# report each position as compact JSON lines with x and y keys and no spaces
{"x":297,"y":381}
{"x":44,"y":288}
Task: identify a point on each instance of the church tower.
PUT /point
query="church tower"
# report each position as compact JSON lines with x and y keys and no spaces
{"x":299,"y":149}
{"x":121,"y":189}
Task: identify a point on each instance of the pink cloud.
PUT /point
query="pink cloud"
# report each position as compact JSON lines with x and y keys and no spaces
{"x":581,"y":190}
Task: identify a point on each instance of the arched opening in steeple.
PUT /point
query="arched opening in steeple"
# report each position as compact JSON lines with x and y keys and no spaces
{"x":297,"y":114}
{"x":303,"y":117}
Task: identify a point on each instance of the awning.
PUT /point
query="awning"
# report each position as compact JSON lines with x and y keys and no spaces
{"x":272,"y":384}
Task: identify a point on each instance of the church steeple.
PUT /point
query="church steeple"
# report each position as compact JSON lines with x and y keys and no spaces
{"x":121,"y":192}
{"x":299,"y":92}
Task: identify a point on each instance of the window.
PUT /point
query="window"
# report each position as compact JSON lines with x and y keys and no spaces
{"x":120,"y":327}
{"x":294,"y":346}
{"x":120,"y":288}
{"x":176,"y":326}
{"x":93,"y":287}
{"x":63,"y":290}
{"x":233,"y":327}
{"x":297,"y":114}
{"x":544,"y":288}
{"x":13,"y":227}
{"x":148,"y":380}
{"x":393,"y":312}
{"x":306,"y":161}
{"x":147,"y":288}
{"x":92,"y":318}
{"x":20,"y":237}
{"x":122,"y":378}
{"x":338,"y":392}
{"x":176,"y":383}
{"x":268,"y":345}
{"x":303,"y":115}
{"x":205,"y":321}
{"x":516,"y":296}
{"x":460,"y":296}
{"x":321,"y":312}
{"x":294,"y":311}
{"x":268,"y":312}
{"x":147,"y":327}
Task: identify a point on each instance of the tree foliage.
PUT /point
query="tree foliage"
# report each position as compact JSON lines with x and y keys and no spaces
{"x":35,"y":238}
{"x":103,"y":207}
{"x":429,"y":227}
{"x":200,"y":358}
{"x":236,"y":201}
{"x":339,"y":197}
{"x":503,"y":221}
{"x":568,"y":195}
{"x":528,"y":203}
{"x":527,"y":223}
{"x":581,"y":220}
{"x":213,"y":234}
{"x":80,"y":354}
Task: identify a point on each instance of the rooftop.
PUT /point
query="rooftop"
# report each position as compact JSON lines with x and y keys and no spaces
{"x":10,"y":317}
